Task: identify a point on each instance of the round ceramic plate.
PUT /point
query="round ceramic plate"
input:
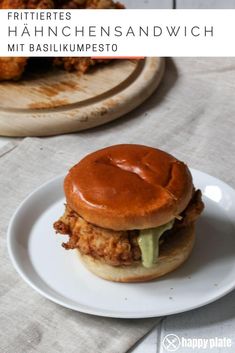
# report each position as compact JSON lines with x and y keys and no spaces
{"x":57,"y":274}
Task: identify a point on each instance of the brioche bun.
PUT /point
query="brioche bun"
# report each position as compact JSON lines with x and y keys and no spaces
{"x":173,"y":253}
{"x":126,"y":187}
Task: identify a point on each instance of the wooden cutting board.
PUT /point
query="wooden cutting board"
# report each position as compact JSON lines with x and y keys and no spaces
{"x":57,"y":102}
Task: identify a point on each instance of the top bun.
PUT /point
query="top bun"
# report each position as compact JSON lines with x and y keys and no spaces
{"x":126,"y":187}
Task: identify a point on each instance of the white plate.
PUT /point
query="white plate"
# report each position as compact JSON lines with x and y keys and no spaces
{"x":37,"y":255}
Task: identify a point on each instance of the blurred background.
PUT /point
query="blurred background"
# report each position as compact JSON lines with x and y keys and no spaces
{"x":180,"y":4}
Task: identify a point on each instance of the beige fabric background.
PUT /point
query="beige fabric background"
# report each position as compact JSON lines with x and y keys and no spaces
{"x":191,"y":115}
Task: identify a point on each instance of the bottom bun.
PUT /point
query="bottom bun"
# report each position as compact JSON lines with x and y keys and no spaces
{"x":173,"y":253}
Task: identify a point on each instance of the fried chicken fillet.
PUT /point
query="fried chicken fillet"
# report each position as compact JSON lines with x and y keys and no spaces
{"x":12,"y":68}
{"x":116,"y":248}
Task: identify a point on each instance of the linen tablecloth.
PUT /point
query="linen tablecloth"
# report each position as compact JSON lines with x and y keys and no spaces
{"x":192,"y":116}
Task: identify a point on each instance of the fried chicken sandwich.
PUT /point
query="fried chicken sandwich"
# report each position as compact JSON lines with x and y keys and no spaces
{"x":130,"y":212}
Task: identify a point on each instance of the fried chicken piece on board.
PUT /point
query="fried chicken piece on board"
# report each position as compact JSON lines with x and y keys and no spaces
{"x":12,"y":68}
{"x":78,"y":64}
{"x":88,"y":4}
{"x":26,"y":4}
{"x":103,"y":4}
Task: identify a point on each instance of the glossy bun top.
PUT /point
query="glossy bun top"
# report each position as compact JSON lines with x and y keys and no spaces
{"x":128,"y":187}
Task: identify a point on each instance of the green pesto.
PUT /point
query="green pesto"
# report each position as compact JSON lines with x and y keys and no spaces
{"x":148,"y":241}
